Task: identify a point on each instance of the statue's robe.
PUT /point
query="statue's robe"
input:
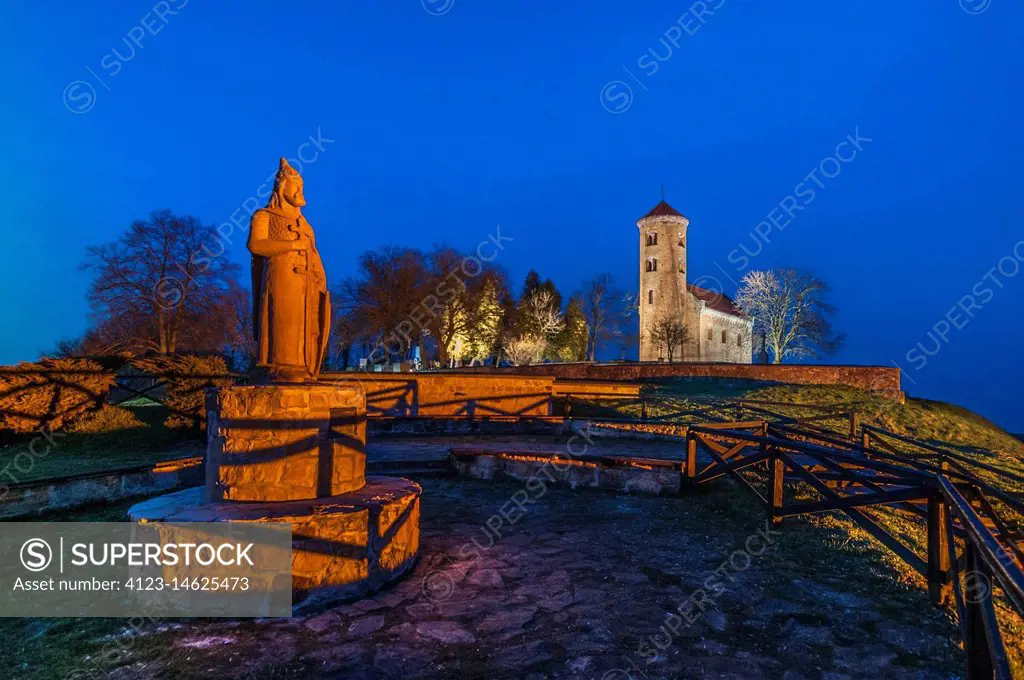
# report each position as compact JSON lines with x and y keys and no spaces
{"x":291,"y":305}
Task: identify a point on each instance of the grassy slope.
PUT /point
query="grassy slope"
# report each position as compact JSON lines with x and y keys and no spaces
{"x":923,"y":419}
{"x":112,"y":438}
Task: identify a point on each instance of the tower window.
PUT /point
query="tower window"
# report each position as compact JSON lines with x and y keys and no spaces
{"x":711,"y":334}
{"x":652,"y":264}
{"x":723,"y":336}
{"x":739,"y":340}
{"x":682,"y":267}
{"x":652,"y":238}
{"x":682,"y":241}
{"x":650,"y":297}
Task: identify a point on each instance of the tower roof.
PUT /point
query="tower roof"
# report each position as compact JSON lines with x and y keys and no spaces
{"x":663,"y":209}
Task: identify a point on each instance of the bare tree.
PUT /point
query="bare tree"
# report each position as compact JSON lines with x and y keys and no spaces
{"x":527,"y":348}
{"x":345,"y":332}
{"x":240,"y":342}
{"x":159,"y":287}
{"x":538,"y":321}
{"x":451,"y":320}
{"x":542,"y":313}
{"x":669,"y":333}
{"x":600,"y":300}
{"x":790,"y":308}
{"x":384,"y":296}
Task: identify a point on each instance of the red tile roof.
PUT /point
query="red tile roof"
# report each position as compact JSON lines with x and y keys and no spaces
{"x":663,"y":208}
{"x":719,"y":302}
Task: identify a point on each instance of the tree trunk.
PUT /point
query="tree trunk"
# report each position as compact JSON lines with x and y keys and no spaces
{"x":161,"y":329}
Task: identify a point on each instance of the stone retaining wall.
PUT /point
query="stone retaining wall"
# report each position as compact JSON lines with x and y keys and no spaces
{"x":63,"y":493}
{"x":877,"y":378}
{"x":536,"y":470}
{"x":432,"y":394}
{"x":450,"y":394}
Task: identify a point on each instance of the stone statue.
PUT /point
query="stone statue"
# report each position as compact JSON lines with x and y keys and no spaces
{"x":291,"y":305}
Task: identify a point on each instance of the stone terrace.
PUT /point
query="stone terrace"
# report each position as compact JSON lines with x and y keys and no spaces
{"x":579,"y":585}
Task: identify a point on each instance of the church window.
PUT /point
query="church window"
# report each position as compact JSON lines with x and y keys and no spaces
{"x":711,"y":334}
{"x":650,"y":297}
{"x":739,"y":340}
{"x":682,"y":241}
{"x":723,"y":336}
{"x":652,"y":264}
{"x":652,"y":238}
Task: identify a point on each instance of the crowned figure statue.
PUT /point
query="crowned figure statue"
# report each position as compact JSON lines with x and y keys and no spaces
{"x":291,"y":305}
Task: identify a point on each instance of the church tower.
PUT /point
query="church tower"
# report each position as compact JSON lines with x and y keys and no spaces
{"x":663,"y":292}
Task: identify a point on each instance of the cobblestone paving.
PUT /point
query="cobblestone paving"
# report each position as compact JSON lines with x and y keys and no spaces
{"x":585,"y":584}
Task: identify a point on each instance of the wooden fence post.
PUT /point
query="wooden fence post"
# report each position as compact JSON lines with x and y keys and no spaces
{"x":865,"y":441}
{"x":690,"y":473}
{"x":853,"y":424}
{"x":776,"y":482}
{"x":938,"y":550}
{"x":979,"y":656}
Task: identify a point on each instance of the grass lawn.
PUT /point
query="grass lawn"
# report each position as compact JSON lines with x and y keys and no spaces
{"x":114,"y":437}
{"x":923,"y":419}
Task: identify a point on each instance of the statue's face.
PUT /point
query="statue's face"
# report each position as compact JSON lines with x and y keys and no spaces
{"x":291,"y":192}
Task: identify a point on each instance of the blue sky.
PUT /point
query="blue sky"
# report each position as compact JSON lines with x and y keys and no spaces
{"x":448,"y":118}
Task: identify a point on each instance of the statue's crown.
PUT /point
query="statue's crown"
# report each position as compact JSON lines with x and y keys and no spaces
{"x":285,"y":171}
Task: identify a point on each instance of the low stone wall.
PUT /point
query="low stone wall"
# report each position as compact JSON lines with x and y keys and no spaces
{"x":446,"y":394}
{"x":63,"y":493}
{"x":433,"y":394}
{"x":536,"y":470}
{"x":423,"y":426}
{"x":583,"y":388}
{"x":877,"y":378}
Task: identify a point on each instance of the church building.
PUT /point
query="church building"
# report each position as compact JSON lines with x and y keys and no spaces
{"x":704,"y":325}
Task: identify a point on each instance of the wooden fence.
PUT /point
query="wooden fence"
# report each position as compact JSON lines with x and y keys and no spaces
{"x":972,"y":543}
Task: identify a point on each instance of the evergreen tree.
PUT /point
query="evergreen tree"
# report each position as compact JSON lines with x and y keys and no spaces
{"x":570,"y":344}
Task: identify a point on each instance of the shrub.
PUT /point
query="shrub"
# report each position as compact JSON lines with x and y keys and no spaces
{"x":187,"y":377}
{"x":49,"y":394}
{"x":105,"y":420}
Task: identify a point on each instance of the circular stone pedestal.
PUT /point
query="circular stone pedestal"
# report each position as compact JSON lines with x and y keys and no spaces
{"x":343,"y":547}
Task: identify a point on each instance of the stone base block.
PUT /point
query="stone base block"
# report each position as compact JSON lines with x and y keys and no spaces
{"x":285,"y":442}
{"x":344,"y":547}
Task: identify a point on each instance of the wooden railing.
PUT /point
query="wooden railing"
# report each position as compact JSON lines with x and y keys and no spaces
{"x":957,"y":507}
